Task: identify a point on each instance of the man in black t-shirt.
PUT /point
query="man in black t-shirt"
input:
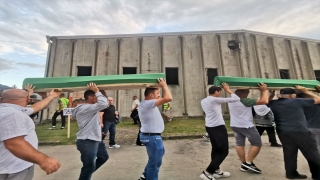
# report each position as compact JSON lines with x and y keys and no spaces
{"x":108,"y":117}
{"x":293,"y":132}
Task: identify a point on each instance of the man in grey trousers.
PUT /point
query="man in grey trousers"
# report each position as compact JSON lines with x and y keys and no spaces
{"x":92,"y":149}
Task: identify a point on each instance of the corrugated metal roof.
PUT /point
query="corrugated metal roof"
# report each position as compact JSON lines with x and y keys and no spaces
{"x":179,"y":33}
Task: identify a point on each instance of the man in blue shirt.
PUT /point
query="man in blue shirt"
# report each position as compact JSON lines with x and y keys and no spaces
{"x":293,"y":132}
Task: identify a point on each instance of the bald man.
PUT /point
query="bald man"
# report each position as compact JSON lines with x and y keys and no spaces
{"x":18,"y":139}
{"x":108,"y":118}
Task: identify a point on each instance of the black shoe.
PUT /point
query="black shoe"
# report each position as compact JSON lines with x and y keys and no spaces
{"x":140,"y":144}
{"x":251,"y":167}
{"x":299,"y":176}
{"x":243,"y":168}
{"x":276,"y":145}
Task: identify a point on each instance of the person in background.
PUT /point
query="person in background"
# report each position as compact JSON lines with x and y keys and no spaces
{"x":32,"y":116}
{"x":242,"y":125}
{"x":93,"y":151}
{"x":293,"y":132}
{"x":62,"y":103}
{"x":134,"y":109}
{"x":312,"y":115}
{"x":166,"y":111}
{"x":152,"y":126}
{"x":264,"y":120}
{"x":216,"y":129}
{"x":18,"y":139}
{"x":108,"y":119}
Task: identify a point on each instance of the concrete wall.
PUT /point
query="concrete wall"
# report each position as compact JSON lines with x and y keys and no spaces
{"x":261,"y":55}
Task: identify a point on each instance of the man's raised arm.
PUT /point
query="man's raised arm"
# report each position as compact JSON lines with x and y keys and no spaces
{"x":310,"y":94}
{"x":45,"y":102}
{"x":167,"y":97}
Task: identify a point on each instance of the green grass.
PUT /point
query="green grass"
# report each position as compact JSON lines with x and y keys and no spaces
{"x":178,"y":127}
{"x":56,"y":135}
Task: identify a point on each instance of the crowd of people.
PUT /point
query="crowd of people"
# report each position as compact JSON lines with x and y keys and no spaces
{"x":297,"y":122}
{"x":295,"y":116}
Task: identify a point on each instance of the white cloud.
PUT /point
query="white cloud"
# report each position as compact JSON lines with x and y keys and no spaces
{"x":5,"y":65}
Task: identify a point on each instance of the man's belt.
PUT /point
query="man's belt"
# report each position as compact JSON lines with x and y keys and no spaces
{"x":152,"y":134}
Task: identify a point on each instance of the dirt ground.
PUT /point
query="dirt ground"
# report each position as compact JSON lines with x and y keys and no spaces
{"x":183,"y":160}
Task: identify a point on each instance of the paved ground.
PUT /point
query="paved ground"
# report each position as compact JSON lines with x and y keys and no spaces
{"x":184,"y":160}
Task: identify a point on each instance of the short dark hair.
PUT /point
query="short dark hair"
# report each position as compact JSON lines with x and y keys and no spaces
{"x":288,"y":91}
{"x":88,"y":93}
{"x":213,"y":89}
{"x":149,"y":91}
{"x":239,"y":92}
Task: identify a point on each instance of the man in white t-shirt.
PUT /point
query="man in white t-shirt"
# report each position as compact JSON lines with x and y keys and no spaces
{"x":216,"y":129}
{"x":18,"y":139}
{"x":242,"y":126}
{"x":152,"y":126}
{"x":134,"y":109}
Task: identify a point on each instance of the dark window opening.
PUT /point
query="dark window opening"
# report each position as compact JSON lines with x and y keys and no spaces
{"x":84,"y":71}
{"x":211,"y":74}
{"x":172,"y":76}
{"x":284,"y":74}
{"x":317,"y":74}
{"x":129,"y":70}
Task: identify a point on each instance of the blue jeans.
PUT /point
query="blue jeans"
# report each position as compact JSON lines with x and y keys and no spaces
{"x":155,"y":150}
{"x":110,"y":126}
{"x":93,"y":155}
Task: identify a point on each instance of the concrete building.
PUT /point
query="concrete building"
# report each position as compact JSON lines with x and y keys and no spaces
{"x":190,"y":60}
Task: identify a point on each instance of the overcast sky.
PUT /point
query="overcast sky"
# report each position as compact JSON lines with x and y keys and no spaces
{"x":27,"y":22}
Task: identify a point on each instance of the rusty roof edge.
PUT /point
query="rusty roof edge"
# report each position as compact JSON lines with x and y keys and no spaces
{"x":179,"y":33}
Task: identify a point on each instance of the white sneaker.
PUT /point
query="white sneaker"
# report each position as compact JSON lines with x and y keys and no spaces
{"x":114,"y":146}
{"x":206,"y":138}
{"x":206,"y":176}
{"x":53,"y":127}
{"x":221,"y":174}
{"x":142,"y":177}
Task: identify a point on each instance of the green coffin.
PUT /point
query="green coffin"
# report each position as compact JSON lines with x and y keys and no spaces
{"x":110,"y":82}
{"x":252,"y":83}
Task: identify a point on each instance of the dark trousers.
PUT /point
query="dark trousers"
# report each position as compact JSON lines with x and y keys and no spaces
{"x":93,"y":155}
{"x":220,"y":146}
{"x":271,"y":133}
{"x":111,"y":127}
{"x":138,"y":142}
{"x":306,"y":143}
{"x":54,"y":118}
{"x":133,"y":114}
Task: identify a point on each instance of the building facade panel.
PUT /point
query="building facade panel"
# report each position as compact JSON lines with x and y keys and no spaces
{"x":186,"y":58}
